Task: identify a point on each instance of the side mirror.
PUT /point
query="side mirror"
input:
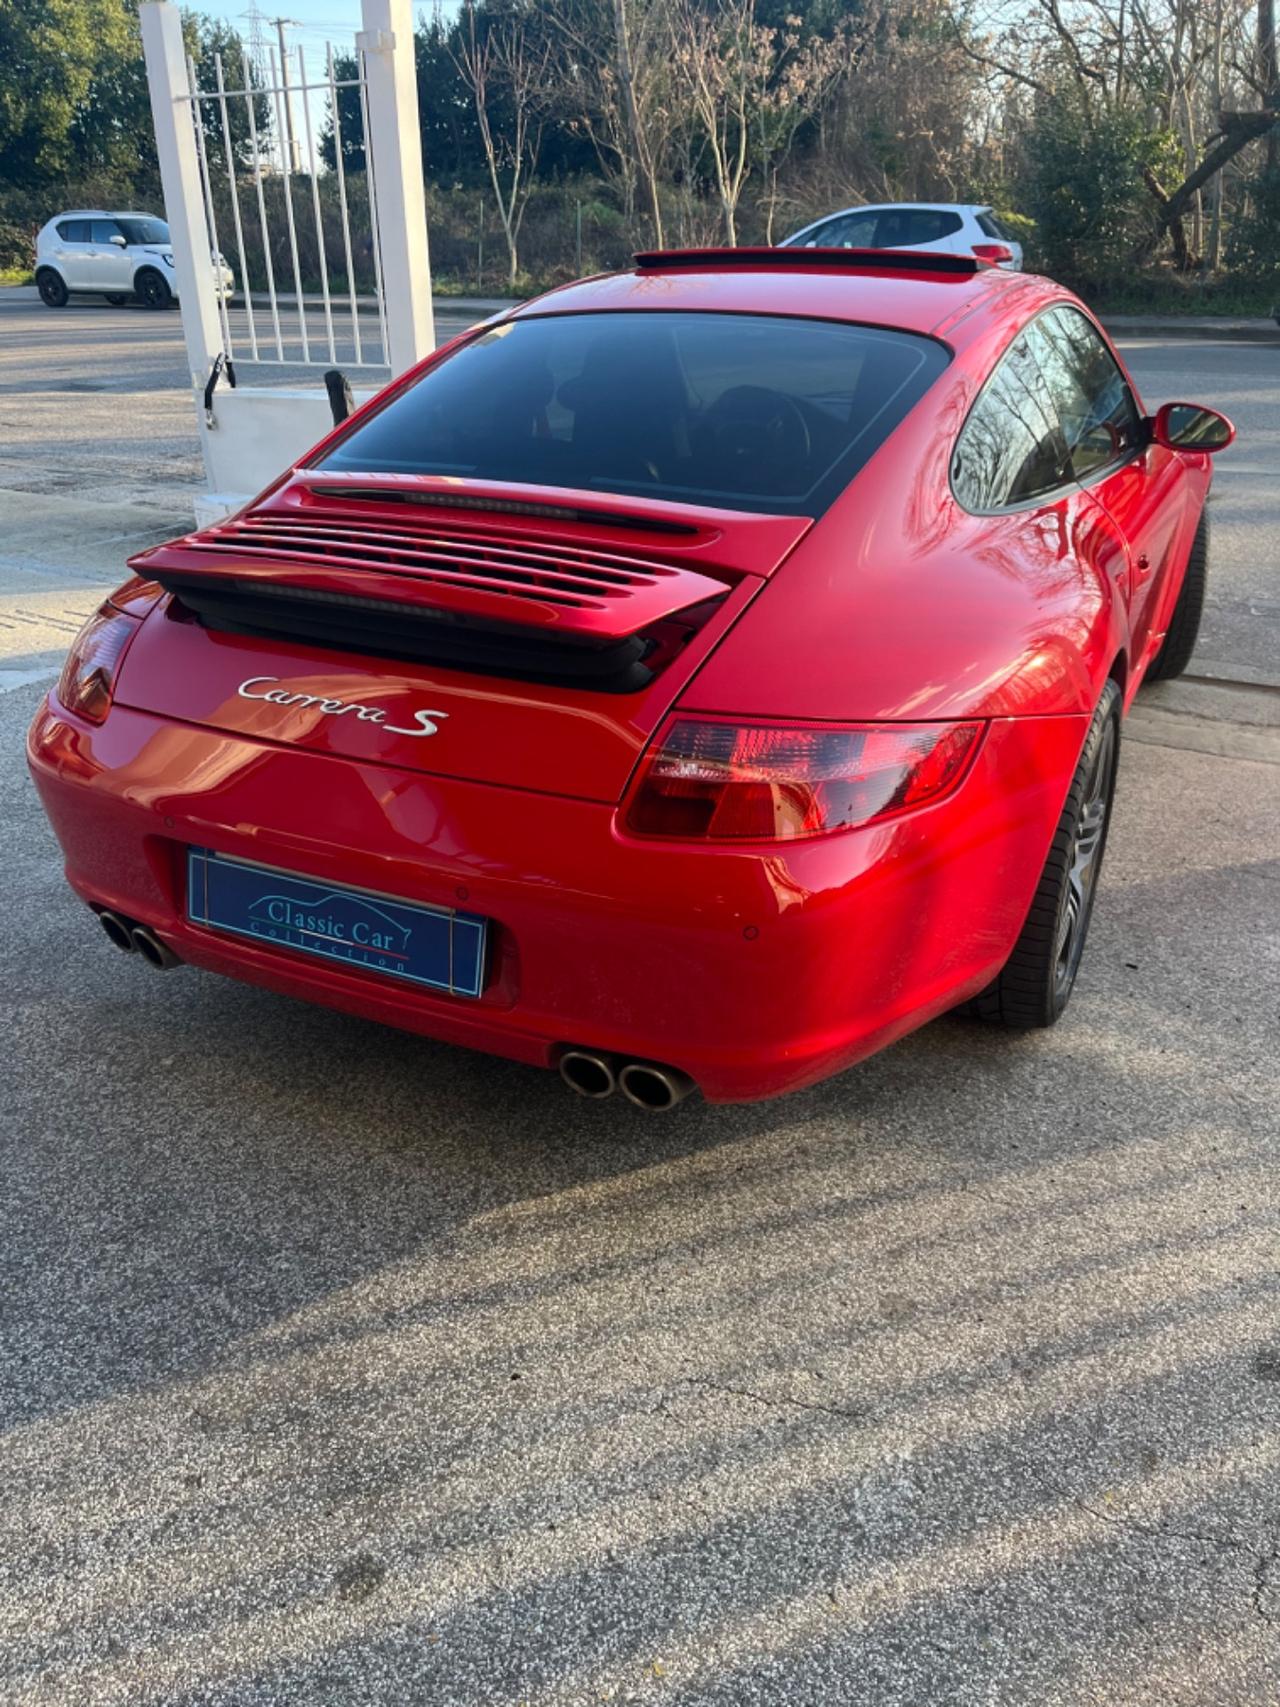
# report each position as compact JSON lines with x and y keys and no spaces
{"x":999,"y":254}
{"x":1187,"y":426}
{"x":120,"y":241}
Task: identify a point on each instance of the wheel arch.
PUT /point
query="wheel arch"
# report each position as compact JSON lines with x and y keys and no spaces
{"x":1119,"y":672}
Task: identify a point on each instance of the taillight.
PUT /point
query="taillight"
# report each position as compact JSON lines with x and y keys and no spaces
{"x":88,"y":677}
{"x":725,"y":781}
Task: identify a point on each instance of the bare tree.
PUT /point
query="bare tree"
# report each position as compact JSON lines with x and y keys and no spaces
{"x":614,"y":77}
{"x":637,"y":131}
{"x":1166,"y":61}
{"x":716,"y":54}
{"x":1268,"y":73}
{"x":795,"y":79}
{"x":505,"y":64}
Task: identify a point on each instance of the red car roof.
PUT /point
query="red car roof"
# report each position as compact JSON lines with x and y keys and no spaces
{"x":870,"y":291}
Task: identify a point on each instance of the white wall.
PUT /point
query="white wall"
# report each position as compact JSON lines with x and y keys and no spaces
{"x":259,"y":431}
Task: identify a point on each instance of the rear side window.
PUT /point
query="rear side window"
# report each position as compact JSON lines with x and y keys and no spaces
{"x":991,"y":227}
{"x":145,"y":230}
{"x":1012,"y":448}
{"x":850,"y":231}
{"x":1100,"y":418}
{"x":74,"y":231}
{"x":900,"y":227}
{"x":741,"y":411}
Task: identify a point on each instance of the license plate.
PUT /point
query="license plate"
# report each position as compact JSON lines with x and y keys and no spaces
{"x":434,"y":946}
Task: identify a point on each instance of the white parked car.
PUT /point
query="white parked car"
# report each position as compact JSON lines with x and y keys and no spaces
{"x":116,"y":255}
{"x":955,"y":228}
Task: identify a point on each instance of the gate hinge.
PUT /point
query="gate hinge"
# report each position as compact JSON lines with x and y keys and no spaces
{"x":341,"y":402}
{"x":221,"y":363}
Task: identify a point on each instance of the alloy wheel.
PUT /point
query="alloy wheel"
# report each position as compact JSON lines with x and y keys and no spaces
{"x":1086,"y":859}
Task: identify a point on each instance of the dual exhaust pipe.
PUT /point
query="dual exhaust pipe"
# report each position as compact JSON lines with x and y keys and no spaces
{"x":644,"y":1083}
{"x":586,"y":1071}
{"x":132,"y":938}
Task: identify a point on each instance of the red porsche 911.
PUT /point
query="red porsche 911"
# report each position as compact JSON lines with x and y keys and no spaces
{"x":699,"y":676}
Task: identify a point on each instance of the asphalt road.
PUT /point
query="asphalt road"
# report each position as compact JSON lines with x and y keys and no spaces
{"x":1241,"y":630}
{"x":341,"y":1368}
{"x":132,"y":348}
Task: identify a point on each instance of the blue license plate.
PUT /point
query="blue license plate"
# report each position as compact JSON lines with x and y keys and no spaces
{"x":434,"y":946}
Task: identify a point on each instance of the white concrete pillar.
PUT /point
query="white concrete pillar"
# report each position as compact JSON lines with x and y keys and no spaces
{"x":395,"y":160}
{"x":180,"y":180}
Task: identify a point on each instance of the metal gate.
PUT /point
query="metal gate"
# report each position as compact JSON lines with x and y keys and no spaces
{"x":329,"y":257}
{"x":279,"y":173}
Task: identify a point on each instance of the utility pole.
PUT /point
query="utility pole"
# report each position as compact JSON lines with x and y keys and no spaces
{"x":290,"y":140}
{"x":1269,"y":75}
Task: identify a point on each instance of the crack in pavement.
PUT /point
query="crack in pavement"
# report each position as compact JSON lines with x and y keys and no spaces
{"x":1263,"y":1559}
{"x":775,"y":1402}
{"x":1262,"y":1581}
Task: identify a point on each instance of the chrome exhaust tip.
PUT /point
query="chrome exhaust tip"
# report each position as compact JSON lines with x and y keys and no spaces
{"x":119,"y":931}
{"x":654,"y":1088}
{"x":152,"y":950}
{"x":589,"y":1074}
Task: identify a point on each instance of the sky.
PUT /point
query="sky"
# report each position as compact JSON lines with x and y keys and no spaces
{"x":317,"y":21}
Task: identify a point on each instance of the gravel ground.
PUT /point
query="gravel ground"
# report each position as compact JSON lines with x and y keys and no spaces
{"x":341,"y":1368}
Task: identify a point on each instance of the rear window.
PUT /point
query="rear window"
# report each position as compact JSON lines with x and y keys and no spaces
{"x":746,"y":412}
{"x":991,"y":226}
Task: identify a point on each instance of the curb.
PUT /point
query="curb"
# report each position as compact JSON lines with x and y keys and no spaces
{"x":1198,"y":327}
{"x":340,"y":304}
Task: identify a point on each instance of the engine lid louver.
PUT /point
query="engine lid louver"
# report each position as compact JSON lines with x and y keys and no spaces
{"x":482,"y":577}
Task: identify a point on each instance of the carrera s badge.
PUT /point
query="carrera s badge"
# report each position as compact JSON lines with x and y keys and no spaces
{"x":428,"y":721}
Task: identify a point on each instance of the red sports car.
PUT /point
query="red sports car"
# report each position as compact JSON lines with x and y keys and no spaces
{"x":699,"y":676}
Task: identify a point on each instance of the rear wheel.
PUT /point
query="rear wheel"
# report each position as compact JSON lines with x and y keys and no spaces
{"x":1184,"y":625}
{"x":152,"y":291}
{"x":53,"y":292}
{"x":1036,"y":983}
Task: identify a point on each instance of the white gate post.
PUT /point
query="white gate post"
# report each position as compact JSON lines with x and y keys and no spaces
{"x":172,"y":114}
{"x":394,"y":161}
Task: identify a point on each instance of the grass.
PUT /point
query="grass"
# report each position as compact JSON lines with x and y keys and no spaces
{"x":16,"y":275}
{"x":1168,"y":294}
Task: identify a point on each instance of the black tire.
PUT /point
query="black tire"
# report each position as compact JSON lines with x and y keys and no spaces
{"x":53,"y":291}
{"x":1035,"y":985}
{"x":151,"y":289}
{"x":1184,"y":625}
{"x":116,"y":299}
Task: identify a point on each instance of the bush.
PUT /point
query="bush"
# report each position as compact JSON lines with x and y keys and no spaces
{"x":17,"y":246}
{"x":1086,"y":190}
{"x":1254,"y":246}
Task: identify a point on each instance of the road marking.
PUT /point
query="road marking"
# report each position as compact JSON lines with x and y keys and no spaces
{"x":11,"y":679}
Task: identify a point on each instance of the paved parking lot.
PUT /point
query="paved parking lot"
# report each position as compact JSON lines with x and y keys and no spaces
{"x":339,"y":1368}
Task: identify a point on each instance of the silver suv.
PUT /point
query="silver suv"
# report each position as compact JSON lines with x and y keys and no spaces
{"x":116,"y":255}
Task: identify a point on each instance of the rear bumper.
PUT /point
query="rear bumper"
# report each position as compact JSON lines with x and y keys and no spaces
{"x":754,"y":973}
